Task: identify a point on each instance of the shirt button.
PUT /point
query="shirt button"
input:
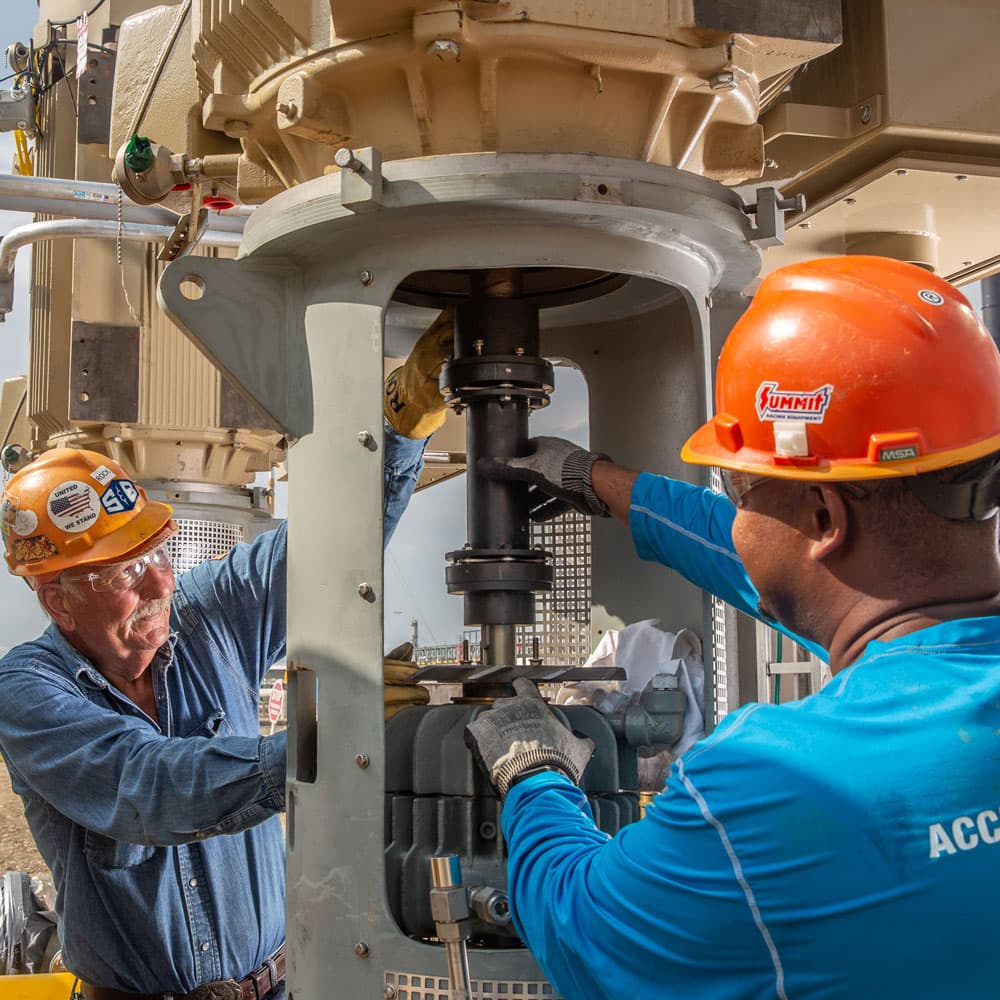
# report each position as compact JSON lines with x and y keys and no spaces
{"x":205,"y":946}
{"x":193,"y":883}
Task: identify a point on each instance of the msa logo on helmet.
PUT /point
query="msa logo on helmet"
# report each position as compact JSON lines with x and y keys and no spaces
{"x":773,"y":404}
{"x":898,"y":453}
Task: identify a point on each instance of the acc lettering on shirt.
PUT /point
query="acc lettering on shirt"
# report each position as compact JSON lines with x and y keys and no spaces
{"x":964,"y":833}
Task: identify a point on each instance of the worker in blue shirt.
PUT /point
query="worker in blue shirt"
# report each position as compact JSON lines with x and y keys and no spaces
{"x":130,"y":727}
{"x":841,"y":845}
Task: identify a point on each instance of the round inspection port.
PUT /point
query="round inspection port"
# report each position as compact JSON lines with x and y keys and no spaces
{"x":192,"y":287}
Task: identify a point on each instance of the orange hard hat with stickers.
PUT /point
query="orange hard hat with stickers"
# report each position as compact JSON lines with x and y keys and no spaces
{"x":853,"y":368}
{"x":69,"y":507}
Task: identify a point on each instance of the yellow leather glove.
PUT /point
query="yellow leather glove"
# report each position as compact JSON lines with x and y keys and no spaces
{"x":401,"y":690}
{"x":413,"y":403}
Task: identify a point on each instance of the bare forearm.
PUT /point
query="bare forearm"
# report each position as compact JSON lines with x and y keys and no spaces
{"x":613,"y":484}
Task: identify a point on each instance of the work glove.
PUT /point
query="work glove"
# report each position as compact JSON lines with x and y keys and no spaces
{"x":559,"y":473}
{"x":400,"y":689}
{"x":413,"y":403}
{"x":520,"y":736}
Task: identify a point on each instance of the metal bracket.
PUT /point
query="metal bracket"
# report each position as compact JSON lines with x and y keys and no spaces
{"x":362,"y":188}
{"x":769,"y":210}
{"x":181,"y":242}
{"x":248,"y":320}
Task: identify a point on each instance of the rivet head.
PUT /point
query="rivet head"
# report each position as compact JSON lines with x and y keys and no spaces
{"x":361,"y":759}
{"x":361,"y":949}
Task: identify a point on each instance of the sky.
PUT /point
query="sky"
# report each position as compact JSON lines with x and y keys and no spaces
{"x":434,"y":522}
{"x":20,"y":616}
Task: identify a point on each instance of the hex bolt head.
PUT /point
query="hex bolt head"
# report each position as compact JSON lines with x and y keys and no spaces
{"x":361,"y":949}
{"x":365,"y":590}
{"x":366,"y":277}
{"x":346,"y":160}
{"x":866,"y":113}
{"x":361,"y":759}
{"x":389,"y":993}
{"x":365,"y":439}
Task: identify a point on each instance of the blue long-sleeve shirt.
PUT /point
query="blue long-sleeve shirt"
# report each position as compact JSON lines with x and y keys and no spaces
{"x":130,"y":813}
{"x":690,"y":529}
{"x":841,"y":846}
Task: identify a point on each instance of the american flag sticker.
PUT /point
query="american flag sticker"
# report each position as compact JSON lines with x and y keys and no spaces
{"x":73,"y":506}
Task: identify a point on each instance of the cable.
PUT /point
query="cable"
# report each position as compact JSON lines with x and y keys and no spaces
{"x":93,"y":10}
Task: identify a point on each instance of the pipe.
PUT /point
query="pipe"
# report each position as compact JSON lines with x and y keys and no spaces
{"x":94,"y":200}
{"x":990,"y":288}
{"x":23,"y":236}
{"x":450,"y":909}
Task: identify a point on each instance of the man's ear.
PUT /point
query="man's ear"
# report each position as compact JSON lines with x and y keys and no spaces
{"x":53,"y":599}
{"x":829,"y":521}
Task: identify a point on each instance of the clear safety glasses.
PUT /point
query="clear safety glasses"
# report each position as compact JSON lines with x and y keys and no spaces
{"x":124,"y":575}
{"x":738,"y":484}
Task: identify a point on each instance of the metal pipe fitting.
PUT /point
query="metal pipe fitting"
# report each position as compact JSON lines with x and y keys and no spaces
{"x":450,"y":910}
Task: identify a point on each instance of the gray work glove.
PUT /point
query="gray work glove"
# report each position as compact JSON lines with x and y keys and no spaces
{"x":559,"y":474}
{"x":520,"y":736}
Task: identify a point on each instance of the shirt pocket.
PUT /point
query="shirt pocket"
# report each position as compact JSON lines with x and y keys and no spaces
{"x":216,"y":724}
{"x":106,"y":853}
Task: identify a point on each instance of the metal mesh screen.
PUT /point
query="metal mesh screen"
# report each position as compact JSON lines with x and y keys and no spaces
{"x":411,"y":986}
{"x":562,"y":617}
{"x":198,"y":540}
{"x":720,"y":659}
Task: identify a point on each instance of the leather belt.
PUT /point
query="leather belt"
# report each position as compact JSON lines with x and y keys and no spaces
{"x":254,"y":986}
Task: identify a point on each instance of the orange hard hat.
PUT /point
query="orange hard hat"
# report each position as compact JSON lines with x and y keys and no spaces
{"x":71,"y":506}
{"x":853,"y":368}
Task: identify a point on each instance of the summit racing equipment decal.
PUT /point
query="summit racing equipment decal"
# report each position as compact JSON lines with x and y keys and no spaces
{"x":774,"y":404}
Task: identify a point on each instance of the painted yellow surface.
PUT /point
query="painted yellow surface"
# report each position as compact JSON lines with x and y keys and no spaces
{"x":54,"y":986}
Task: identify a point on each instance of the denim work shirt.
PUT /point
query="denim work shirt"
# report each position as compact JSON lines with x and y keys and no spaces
{"x":164,"y":840}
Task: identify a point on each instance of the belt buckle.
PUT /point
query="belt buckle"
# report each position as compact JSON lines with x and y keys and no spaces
{"x":221,"y":989}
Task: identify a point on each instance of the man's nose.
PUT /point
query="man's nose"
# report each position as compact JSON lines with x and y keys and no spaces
{"x":157,"y":581}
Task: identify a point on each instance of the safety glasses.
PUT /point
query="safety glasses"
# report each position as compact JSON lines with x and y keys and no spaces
{"x":126,"y":574}
{"x":738,"y":484}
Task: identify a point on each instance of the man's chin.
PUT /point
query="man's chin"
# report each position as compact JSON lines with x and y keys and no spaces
{"x":151,"y":633}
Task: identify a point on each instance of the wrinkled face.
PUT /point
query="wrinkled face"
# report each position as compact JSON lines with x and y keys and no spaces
{"x":121,"y":625}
